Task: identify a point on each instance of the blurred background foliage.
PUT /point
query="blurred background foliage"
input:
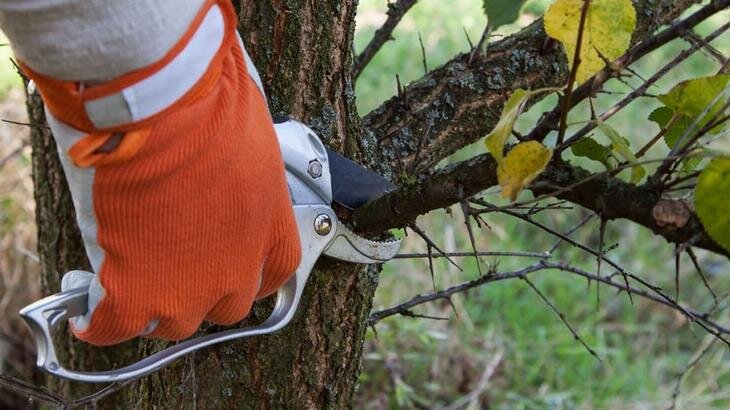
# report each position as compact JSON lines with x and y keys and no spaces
{"x":501,"y":347}
{"x":413,"y":362}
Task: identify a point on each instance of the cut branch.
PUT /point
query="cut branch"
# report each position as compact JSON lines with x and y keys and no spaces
{"x":604,"y":194}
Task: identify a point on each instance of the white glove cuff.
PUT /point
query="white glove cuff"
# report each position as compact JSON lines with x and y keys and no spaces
{"x":94,"y":40}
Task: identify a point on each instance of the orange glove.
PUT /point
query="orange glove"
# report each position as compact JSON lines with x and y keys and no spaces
{"x":188,"y":218}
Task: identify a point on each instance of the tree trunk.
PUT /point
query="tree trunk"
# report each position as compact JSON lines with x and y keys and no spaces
{"x":303,"y":51}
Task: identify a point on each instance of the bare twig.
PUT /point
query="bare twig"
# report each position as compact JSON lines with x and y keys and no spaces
{"x":696,"y":264}
{"x":432,"y":244}
{"x":423,"y":54}
{"x":641,"y":90}
{"x":675,"y":394}
{"x":538,"y":255}
{"x":31,"y":391}
{"x":95,"y":398}
{"x":551,"y":120}
{"x":466,"y":209}
{"x":476,"y":51}
{"x":482,"y":386}
{"x":562,"y":317}
{"x":601,"y":238}
{"x":492,"y":276}
{"x":16,"y":152}
{"x":396,"y":11}
{"x":26,"y":124}
{"x":566,"y":101}
{"x":570,"y":232}
{"x":579,"y":245}
{"x":692,"y":37}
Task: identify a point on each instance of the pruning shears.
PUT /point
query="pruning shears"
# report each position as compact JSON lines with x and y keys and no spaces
{"x":316,"y":177}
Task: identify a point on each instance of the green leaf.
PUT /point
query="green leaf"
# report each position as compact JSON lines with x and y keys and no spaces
{"x":711,"y":200}
{"x":679,"y":124}
{"x":620,"y":145}
{"x":501,"y":12}
{"x":589,"y":148}
{"x":607,"y":33}
{"x":522,"y":165}
{"x":693,"y":96}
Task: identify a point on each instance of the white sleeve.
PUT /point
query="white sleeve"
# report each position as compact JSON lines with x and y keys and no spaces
{"x":94,"y":40}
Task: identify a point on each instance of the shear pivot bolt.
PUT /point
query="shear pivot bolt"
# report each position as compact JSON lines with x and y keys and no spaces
{"x":323,"y":224}
{"x":315,"y":169}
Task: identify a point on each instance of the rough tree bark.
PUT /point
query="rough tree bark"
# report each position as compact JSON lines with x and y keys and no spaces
{"x":303,"y":50}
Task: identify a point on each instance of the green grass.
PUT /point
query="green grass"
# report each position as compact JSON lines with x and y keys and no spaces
{"x":643,"y":347}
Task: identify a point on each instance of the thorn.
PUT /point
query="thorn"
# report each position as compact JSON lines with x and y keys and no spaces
{"x":428,"y":241}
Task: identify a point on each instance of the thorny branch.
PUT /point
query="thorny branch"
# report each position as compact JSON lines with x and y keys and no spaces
{"x":450,"y":185}
{"x":641,"y":90}
{"x":43,"y":395}
{"x":543,"y":265}
{"x":457,"y":103}
{"x":550,"y":121}
{"x":612,"y":197}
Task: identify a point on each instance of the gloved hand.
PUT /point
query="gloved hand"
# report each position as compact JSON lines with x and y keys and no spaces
{"x":179,"y":188}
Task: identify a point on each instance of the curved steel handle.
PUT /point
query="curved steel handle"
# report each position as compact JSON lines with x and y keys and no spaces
{"x":44,"y":316}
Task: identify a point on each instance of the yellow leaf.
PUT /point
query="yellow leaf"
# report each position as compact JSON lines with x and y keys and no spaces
{"x":522,"y":165}
{"x":607,"y":34}
{"x":510,"y":112}
{"x":500,"y":134}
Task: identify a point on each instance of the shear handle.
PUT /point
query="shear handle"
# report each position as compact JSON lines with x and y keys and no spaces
{"x":44,"y":316}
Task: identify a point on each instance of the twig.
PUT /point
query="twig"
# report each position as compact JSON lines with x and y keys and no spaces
{"x":423,"y":54}
{"x":466,"y":210}
{"x":550,"y":121}
{"x":677,"y":265}
{"x":432,"y":244}
{"x":26,"y":124}
{"x":696,"y":264}
{"x":716,"y":329}
{"x":480,"y":45}
{"x":662,"y":132}
{"x":569,"y":232}
{"x":579,"y":245}
{"x":687,"y":138}
{"x":31,"y":391}
{"x":471,"y":254}
{"x":601,"y":237}
{"x":573,"y":73}
{"x":396,"y":11}
{"x":687,"y":369}
{"x":562,"y":317}
{"x":693,"y":38}
{"x":12,"y":155}
{"x":641,"y":90}
{"x":95,"y":398}
{"x":626,"y":275}
{"x":481,"y":386}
